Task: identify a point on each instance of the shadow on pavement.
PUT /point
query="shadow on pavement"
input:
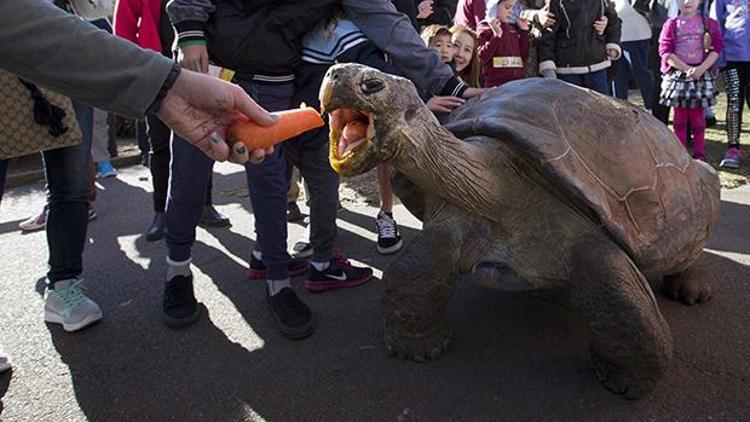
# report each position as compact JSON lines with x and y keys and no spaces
{"x":731,"y":233}
{"x":11,"y":226}
{"x":514,"y":356}
{"x":5,"y":378}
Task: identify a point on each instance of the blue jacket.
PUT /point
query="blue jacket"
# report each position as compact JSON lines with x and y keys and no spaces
{"x":732,"y":16}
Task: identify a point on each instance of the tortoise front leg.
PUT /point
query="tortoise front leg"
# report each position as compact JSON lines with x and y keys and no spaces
{"x":417,"y":288}
{"x":630,"y":342}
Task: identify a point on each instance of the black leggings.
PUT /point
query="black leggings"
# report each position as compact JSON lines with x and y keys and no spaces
{"x":736,"y":82}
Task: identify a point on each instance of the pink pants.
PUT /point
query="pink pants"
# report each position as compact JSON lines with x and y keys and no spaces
{"x":697,"y":126}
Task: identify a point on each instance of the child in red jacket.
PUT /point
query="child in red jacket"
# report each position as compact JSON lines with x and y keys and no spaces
{"x":503,"y":48}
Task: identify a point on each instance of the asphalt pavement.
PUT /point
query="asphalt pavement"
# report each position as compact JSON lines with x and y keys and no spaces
{"x":514,"y":356}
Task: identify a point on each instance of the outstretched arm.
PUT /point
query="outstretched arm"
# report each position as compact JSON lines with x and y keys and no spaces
{"x":43,"y":44}
{"x":392,"y":32}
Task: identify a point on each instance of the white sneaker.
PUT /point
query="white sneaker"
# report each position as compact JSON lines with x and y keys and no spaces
{"x":35,"y":222}
{"x":66,"y":304}
{"x":38,"y":222}
{"x":303,"y":248}
{"x":389,"y":240}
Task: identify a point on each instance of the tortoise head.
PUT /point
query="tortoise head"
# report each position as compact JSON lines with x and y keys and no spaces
{"x":368,"y":110}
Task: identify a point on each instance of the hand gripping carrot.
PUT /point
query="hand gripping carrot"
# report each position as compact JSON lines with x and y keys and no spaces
{"x":290,"y":124}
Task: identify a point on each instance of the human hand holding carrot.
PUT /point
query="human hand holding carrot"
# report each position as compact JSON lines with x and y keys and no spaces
{"x":200,"y":109}
{"x":245,"y":133}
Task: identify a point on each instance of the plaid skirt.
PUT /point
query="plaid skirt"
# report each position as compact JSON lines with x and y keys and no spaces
{"x":680,"y":92}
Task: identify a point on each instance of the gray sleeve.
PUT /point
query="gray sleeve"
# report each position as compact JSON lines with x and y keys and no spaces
{"x":189,"y":10}
{"x":47,"y":46}
{"x":392,"y":32}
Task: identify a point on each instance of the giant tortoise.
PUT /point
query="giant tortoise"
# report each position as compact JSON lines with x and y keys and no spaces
{"x":563,"y":186}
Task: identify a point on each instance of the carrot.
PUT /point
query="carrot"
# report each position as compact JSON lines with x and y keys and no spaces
{"x":290,"y":124}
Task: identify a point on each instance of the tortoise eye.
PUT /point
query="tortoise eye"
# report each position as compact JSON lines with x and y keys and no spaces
{"x":372,"y":86}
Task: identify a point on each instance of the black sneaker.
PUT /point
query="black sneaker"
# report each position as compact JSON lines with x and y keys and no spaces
{"x":257,"y":270}
{"x":179,"y":307}
{"x":292,"y":315}
{"x":340,"y":273}
{"x":211,"y":217}
{"x":156,"y":230}
{"x":293,"y":213}
{"x":389,"y":241}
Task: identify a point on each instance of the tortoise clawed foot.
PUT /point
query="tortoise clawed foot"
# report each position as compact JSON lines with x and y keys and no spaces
{"x":688,"y":290}
{"x":422,"y":347}
{"x":619,"y":381}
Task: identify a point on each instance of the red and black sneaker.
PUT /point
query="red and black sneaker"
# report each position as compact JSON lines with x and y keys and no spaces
{"x":340,"y":273}
{"x":257,"y":270}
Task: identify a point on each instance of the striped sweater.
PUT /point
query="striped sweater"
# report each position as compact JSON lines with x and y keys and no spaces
{"x":323,"y":47}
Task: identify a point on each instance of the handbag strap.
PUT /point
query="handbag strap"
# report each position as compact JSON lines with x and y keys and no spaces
{"x":46,"y":113}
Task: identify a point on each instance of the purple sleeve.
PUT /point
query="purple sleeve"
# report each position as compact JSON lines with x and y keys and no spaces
{"x":717,"y":41}
{"x":667,"y":38}
{"x":666,"y":42}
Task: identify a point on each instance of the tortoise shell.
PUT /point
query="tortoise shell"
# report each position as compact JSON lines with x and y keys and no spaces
{"x":609,"y":157}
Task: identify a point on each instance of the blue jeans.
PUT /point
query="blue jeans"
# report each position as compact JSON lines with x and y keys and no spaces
{"x":66,"y":170}
{"x":635,"y":62}
{"x":267,"y":184}
{"x":594,"y":80}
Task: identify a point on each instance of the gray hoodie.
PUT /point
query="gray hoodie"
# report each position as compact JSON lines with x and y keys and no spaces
{"x":85,"y":63}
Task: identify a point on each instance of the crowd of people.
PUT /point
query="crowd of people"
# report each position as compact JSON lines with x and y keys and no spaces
{"x":673,"y":51}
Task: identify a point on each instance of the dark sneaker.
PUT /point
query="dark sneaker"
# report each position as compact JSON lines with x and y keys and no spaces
{"x":156,"y":230}
{"x":257,"y":270}
{"x":389,"y":240}
{"x":303,"y":248}
{"x":211,"y":217}
{"x":293,"y":213}
{"x":292,"y":315}
{"x":341,"y":273}
{"x":179,"y":307}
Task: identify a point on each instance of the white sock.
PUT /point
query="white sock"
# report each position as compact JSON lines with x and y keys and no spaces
{"x":321,"y":266}
{"x":275,"y":286}
{"x":257,"y":255}
{"x":175,"y":268}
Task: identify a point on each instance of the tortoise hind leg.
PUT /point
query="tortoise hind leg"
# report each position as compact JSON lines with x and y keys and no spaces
{"x":630,"y":341}
{"x":418,"y":285}
{"x":690,"y":286}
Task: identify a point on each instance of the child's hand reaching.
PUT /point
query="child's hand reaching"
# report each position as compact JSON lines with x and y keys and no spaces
{"x":601,"y":25}
{"x":547,"y":19}
{"x":444,"y":104}
{"x":424,"y":9}
{"x":523,"y":24}
{"x":496,"y":27}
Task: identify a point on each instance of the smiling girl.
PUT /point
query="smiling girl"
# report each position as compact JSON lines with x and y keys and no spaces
{"x":466,"y":57}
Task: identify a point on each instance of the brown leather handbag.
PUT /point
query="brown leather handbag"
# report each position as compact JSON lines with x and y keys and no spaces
{"x":34,"y":119}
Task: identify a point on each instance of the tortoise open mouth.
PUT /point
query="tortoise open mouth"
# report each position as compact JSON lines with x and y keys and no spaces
{"x":352,"y":133}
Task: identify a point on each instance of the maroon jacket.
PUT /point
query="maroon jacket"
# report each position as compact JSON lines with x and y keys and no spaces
{"x":502,"y":58}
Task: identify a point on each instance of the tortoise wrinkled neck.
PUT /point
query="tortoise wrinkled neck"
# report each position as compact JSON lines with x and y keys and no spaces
{"x":433,"y":158}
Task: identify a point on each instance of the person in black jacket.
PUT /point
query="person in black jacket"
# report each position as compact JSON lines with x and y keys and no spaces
{"x":582,"y":43}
